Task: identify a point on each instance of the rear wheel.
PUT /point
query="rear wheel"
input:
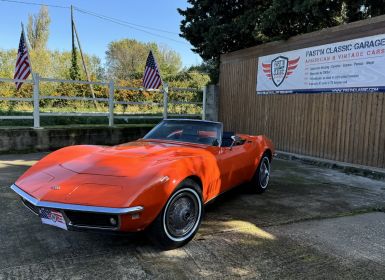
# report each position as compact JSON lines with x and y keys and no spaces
{"x":261,"y":177}
{"x":179,"y":220}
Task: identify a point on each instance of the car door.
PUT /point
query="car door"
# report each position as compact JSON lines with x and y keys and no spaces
{"x":235,"y":164}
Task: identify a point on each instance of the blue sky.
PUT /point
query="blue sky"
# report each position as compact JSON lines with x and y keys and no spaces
{"x":95,"y":33}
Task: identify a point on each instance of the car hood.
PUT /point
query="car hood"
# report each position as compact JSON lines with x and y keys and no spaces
{"x":103,"y":176}
{"x":129,"y":159}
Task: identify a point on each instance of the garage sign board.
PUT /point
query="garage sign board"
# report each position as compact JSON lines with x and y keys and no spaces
{"x":350,"y":66}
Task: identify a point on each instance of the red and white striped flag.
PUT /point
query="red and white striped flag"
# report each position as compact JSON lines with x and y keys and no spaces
{"x":23,"y":65}
{"x":151,"y":78}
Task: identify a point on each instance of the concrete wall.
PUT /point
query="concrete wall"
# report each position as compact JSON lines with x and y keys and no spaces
{"x":32,"y":140}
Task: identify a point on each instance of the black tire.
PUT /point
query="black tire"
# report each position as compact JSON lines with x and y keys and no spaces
{"x":260,"y":180}
{"x":180,"y":218}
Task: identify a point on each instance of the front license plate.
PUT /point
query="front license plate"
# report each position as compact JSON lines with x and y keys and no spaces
{"x":52,"y":217}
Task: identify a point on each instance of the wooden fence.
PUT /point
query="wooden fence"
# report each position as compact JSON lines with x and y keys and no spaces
{"x":37,"y":96}
{"x":347,"y":127}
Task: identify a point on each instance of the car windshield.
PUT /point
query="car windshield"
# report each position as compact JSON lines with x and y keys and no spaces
{"x":191,"y":131}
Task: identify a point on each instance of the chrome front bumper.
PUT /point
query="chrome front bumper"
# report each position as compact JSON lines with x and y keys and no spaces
{"x":63,"y":207}
{"x":75,"y":207}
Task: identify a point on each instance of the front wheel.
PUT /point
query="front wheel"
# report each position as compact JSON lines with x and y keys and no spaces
{"x":179,"y":220}
{"x":261,"y":177}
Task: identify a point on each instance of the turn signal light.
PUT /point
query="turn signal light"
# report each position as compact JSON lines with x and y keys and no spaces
{"x":113,"y":221}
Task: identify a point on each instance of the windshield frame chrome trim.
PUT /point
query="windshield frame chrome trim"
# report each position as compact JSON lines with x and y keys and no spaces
{"x":192,"y":120}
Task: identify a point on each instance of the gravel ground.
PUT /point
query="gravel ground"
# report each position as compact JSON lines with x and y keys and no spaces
{"x":312,"y":223}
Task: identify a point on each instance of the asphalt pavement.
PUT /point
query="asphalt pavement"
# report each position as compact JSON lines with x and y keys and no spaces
{"x":312,"y":223}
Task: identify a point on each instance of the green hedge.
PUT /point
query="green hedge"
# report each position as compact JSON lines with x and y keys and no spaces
{"x":74,"y":90}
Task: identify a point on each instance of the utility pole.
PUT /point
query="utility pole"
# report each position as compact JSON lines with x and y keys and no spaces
{"x":72,"y":27}
{"x":75,"y":33}
{"x":74,"y":71}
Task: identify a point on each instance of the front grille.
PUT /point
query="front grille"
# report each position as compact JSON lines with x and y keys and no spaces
{"x":94,"y":220}
{"x":30,"y":206}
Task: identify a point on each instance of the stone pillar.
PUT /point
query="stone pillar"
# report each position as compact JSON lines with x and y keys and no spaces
{"x":212,"y":103}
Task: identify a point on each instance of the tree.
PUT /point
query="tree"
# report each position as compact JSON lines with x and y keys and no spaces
{"x":169,"y":60}
{"x":74,"y":69}
{"x":189,"y":78}
{"x":38,"y":29}
{"x":126,"y":59}
{"x":215,"y":27}
{"x":7,"y":63}
{"x":50,"y":64}
{"x":286,"y":18}
{"x":362,"y":9}
{"x":208,"y":67}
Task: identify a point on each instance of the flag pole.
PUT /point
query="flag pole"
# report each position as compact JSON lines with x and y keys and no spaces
{"x":74,"y":30}
{"x":26,"y":46}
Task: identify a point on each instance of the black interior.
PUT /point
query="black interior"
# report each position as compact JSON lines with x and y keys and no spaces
{"x":227,"y":141}
{"x":226,"y":138}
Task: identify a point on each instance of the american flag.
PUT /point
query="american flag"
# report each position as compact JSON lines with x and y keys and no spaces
{"x":151,"y":78}
{"x":52,"y":215}
{"x":23,"y":65}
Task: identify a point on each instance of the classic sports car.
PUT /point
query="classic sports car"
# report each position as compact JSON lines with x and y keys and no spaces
{"x":159,"y":183}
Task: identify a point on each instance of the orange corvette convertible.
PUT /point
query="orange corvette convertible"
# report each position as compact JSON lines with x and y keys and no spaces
{"x":159,"y":183}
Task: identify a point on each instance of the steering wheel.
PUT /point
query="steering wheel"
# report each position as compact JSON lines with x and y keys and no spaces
{"x":174,"y":135}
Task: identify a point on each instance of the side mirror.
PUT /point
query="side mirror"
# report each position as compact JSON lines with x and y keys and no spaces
{"x":236,"y":139}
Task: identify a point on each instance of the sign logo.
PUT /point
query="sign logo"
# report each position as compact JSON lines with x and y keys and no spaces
{"x":279,"y":69}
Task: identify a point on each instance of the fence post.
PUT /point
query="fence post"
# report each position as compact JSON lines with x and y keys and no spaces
{"x":111,"y":103}
{"x":165,"y":100}
{"x":204,"y":103}
{"x":36,"y":101}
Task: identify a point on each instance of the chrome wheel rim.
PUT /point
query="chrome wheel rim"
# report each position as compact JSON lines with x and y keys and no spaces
{"x":182,"y":214}
{"x":264,"y":173}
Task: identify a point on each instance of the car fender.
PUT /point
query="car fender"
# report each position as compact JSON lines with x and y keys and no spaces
{"x":262,"y":144}
{"x":155,"y":196}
